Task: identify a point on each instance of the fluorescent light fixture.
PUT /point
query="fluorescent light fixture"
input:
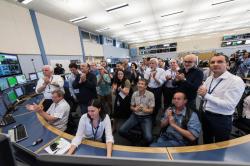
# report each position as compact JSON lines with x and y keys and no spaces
{"x":24,"y":1}
{"x":103,"y":29}
{"x":116,"y":7}
{"x":132,"y":23}
{"x":222,"y":2}
{"x":170,"y":14}
{"x":209,"y":18}
{"x":173,"y":25}
{"x":78,"y":19}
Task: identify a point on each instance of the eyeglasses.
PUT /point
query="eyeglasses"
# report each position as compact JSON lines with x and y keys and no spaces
{"x":188,"y":61}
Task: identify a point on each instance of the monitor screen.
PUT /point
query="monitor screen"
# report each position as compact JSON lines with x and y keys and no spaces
{"x":29,"y":88}
{"x":21,"y":79}
{"x":33,"y":76}
{"x":19,"y":92}
{"x":12,"y":81}
{"x":12,"y":96}
{"x":3,"y":109}
{"x":9,"y":65}
{"x":3,"y":84}
{"x":39,"y":74}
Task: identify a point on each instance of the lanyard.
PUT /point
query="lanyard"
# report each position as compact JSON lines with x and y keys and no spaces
{"x":95,"y":132}
{"x":210,"y":91}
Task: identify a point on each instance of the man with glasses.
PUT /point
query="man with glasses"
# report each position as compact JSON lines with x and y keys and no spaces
{"x":48,"y":84}
{"x":221,"y":93}
{"x":189,"y":79}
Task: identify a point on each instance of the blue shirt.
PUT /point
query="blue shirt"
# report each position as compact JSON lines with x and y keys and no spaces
{"x":193,"y":125}
{"x":244,"y":68}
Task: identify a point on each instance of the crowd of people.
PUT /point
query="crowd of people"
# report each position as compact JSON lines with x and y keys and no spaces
{"x":142,"y":92}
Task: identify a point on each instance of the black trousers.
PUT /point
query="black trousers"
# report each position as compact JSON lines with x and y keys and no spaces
{"x":216,"y":127}
{"x":157,"y":94}
{"x":46,"y":104}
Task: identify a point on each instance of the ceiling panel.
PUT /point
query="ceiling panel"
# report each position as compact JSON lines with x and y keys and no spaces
{"x":148,"y":20}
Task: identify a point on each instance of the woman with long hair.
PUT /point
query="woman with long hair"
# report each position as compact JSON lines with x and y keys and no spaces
{"x":94,"y":125}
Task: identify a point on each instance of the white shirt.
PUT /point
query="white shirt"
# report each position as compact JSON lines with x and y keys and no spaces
{"x":225,"y":95}
{"x":246,"y":108}
{"x":50,"y":88}
{"x":172,"y":74}
{"x":85,"y":130}
{"x":60,"y":111}
{"x":160,"y":76}
{"x":71,"y":79}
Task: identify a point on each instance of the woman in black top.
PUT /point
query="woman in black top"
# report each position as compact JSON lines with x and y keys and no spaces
{"x":122,"y":91}
{"x":134,"y":76}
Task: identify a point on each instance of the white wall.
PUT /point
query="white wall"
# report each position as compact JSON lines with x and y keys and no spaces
{"x":64,"y":60}
{"x":17,"y":34}
{"x":199,"y":43}
{"x":114,"y":52}
{"x":59,"y":38}
{"x":92,"y":49}
{"x":26,"y":63}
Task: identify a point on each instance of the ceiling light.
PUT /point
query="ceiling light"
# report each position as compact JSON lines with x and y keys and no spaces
{"x":170,"y":14}
{"x":24,"y":1}
{"x":76,"y":20}
{"x":173,"y":25}
{"x":128,"y":24}
{"x":219,"y":3}
{"x":117,"y":7}
{"x":102,"y":29}
{"x":210,"y":18}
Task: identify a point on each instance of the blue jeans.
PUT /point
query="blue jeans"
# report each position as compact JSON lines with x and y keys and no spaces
{"x":145,"y":123}
{"x":163,"y":141}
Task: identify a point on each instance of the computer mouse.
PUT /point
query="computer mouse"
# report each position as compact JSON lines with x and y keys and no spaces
{"x":38,"y":141}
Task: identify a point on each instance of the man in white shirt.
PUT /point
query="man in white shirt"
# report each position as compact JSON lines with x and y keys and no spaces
{"x":168,"y":88}
{"x":57,"y":114}
{"x":156,"y":78}
{"x":221,"y":93}
{"x":48,"y":84}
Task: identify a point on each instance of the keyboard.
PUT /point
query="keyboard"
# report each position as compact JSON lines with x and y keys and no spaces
{"x":8,"y":119}
{"x":18,"y":133}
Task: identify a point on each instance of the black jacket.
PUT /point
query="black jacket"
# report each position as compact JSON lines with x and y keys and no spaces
{"x":193,"y":80}
{"x":87,"y":89}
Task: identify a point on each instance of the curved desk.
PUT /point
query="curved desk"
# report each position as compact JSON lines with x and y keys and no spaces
{"x":236,"y":150}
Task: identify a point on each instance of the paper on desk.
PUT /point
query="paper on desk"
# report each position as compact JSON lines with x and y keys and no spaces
{"x":62,"y":147}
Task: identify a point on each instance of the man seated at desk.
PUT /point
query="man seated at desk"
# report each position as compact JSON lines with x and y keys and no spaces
{"x":181,"y":126}
{"x":57,"y":114}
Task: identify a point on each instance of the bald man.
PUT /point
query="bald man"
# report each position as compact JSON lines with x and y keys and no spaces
{"x":189,"y":79}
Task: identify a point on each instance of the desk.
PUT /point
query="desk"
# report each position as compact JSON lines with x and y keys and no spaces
{"x":236,"y":150}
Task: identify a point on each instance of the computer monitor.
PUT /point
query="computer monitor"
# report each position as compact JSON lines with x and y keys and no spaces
{"x":21,"y":79}
{"x":12,"y":96}
{"x":40,"y":74}
{"x":33,"y":76}
{"x":12,"y":81}
{"x":6,"y":152}
{"x":19,"y":92}
{"x":3,"y":109}
{"x":3,"y":84}
{"x":29,"y":88}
